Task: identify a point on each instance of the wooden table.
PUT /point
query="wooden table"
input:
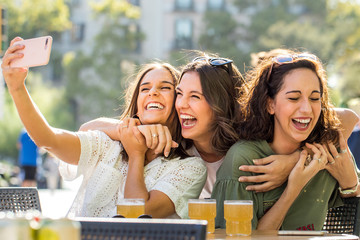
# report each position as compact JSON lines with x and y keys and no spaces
{"x":272,"y":235}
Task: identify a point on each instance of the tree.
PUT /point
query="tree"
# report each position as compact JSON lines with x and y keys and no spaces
{"x":219,"y":36}
{"x":98,"y":78}
{"x":29,"y":18}
{"x":343,"y":19}
{"x":51,"y":102}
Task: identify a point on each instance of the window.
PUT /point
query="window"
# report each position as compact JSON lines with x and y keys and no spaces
{"x":135,"y":2}
{"x":183,"y":33}
{"x":184,"y":4}
{"x":215,"y":4}
{"x":78,"y":32}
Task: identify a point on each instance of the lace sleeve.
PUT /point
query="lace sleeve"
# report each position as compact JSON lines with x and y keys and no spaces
{"x":94,"y":146}
{"x":183,"y":182}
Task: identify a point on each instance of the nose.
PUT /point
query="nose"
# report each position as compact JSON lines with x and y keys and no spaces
{"x":181,"y":102}
{"x":305,"y":106}
{"x":153,"y":91}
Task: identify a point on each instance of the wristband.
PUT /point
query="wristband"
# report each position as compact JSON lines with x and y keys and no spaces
{"x":349,"y":190}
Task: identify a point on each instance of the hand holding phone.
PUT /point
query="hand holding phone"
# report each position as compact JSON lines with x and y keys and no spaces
{"x":36,"y":52}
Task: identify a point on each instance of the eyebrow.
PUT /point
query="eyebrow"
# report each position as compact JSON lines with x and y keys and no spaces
{"x":298,"y":91}
{"x":146,"y":83}
{"x":179,"y":89}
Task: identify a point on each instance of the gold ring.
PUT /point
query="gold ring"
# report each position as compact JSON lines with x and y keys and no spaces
{"x":343,"y":151}
{"x":337,"y":156}
{"x":332,"y":162}
{"x":318,"y":159}
{"x":154,"y":135}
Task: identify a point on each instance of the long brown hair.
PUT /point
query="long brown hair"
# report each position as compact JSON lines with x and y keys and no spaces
{"x":266,"y":80}
{"x":222,"y":87}
{"x":132,"y":109}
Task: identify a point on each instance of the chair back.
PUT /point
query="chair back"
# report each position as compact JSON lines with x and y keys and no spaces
{"x":19,"y":199}
{"x":144,"y":229}
{"x":344,"y":219}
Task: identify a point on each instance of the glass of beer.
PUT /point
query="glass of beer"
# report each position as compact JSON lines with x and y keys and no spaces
{"x":131,"y":207}
{"x":238,"y":215}
{"x":203,"y":209}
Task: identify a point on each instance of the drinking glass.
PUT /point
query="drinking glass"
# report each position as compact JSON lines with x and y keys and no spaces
{"x":203,"y":209}
{"x":238,"y":215}
{"x":131,"y":207}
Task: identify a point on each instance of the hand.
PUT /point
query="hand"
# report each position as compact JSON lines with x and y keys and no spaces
{"x":341,"y":165}
{"x":132,"y":139}
{"x":14,"y":77}
{"x":302,"y":173}
{"x":274,"y":171}
{"x":158,"y":137}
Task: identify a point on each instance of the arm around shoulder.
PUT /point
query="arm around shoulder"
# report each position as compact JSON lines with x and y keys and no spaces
{"x":348,"y":119}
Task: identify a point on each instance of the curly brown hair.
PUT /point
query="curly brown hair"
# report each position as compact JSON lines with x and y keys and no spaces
{"x":265,"y":81}
{"x":223,"y":87}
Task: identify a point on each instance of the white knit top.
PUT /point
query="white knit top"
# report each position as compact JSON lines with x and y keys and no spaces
{"x":104,"y":176}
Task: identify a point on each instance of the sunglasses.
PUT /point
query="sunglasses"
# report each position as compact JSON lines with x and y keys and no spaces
{"x":283,"y":59}
{"x":216,"y":62}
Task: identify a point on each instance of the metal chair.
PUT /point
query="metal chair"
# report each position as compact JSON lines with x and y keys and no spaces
{"x":344,"y":219}
{"x":19,"y":199}
{"x":141,"y":229}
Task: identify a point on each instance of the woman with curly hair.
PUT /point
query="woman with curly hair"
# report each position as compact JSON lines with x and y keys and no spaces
{"x":287,"y":110}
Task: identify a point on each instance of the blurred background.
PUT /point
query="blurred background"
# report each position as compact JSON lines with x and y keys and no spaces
{"x":98,"y":45}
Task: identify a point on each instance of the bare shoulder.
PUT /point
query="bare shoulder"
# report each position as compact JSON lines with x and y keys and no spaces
{"x":348,"y":119}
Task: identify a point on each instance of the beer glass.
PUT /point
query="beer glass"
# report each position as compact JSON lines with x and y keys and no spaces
{"x":203,"y":209}
{"x":238,"y":215}
{"x":131,"y":207}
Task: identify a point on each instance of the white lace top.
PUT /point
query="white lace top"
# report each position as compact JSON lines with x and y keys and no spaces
{"x":104,"y":176}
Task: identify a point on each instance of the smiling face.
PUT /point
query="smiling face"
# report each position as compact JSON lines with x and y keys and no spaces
{"x":193,"y":110}
{"x":296,"y":107}
{"x":156,"y":97}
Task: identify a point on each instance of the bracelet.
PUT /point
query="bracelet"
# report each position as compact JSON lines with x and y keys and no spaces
{"x":349,"y":190}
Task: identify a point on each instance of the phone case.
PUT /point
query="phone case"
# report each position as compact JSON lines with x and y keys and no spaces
{"x":36,"y":52}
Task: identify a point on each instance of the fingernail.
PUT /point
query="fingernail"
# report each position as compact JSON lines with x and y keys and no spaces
{"x":166,"y":154}
{"x":177,"y":144}
{"x":248,"y":188}
{"x":241,"y":179}
{"x":255,"y":160}
{"x":241,"y":168}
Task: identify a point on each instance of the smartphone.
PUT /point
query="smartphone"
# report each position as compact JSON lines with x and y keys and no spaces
{"x":301,"y":233}
{"x":36,"y":52}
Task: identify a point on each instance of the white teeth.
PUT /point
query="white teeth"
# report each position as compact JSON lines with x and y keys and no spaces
{"x":154,"y":106}
{"x":186,"y":117}
{"x":303,"y":120}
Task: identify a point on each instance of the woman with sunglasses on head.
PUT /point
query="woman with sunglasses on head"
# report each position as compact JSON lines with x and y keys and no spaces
{"x":208,"y":106}
{"x":288,"y":109}
{"x":113,"y":170}
{"x":274,"y":170}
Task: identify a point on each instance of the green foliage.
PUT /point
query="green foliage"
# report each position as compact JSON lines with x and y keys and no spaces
{"x":97,"y":77}
{"x":291,"y":35}
{"x":219,"y":36}
{"x":29,"y":18}
{"x":51,"y":102}
{"x":328,"y":28}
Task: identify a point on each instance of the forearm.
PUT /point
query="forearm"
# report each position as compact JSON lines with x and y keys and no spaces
{"x":31,"y":117}
{"x":274,"y":218}
{"x":106,"y":125}
{"x":135,"y":183}
{"x":63,"y":144}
